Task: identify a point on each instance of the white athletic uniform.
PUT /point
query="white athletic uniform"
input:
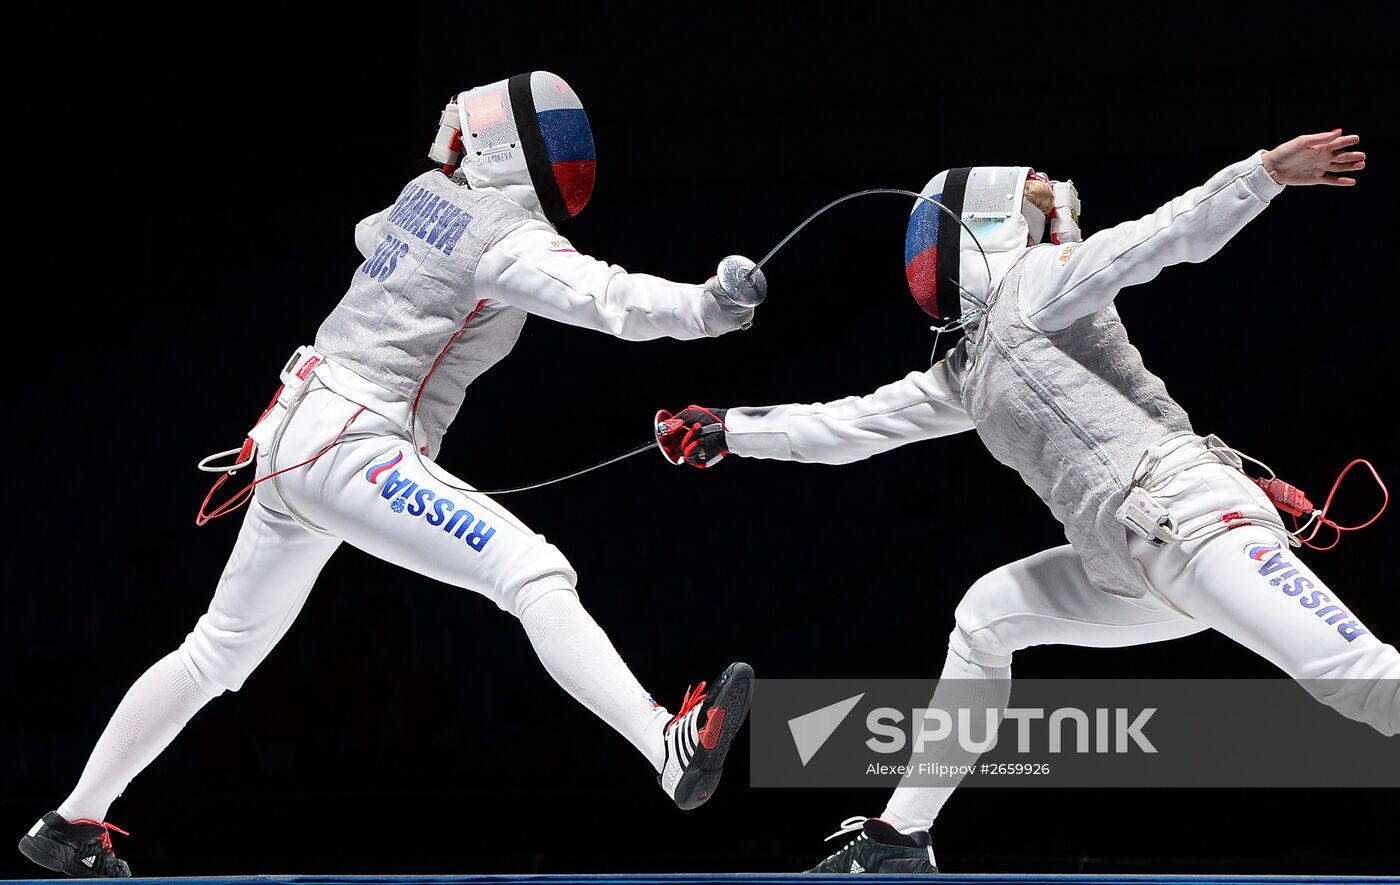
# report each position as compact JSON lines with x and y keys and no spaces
{"x":449,"y":275}
{"x":1050,"y":382}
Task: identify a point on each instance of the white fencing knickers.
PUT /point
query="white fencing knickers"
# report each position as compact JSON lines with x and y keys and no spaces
{"x":1226,"y":581}
{"x":371,"y":491}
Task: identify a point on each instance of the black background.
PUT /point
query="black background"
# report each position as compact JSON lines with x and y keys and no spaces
{"x":181,"y":219}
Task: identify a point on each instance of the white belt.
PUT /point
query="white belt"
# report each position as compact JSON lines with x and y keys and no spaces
{"x":1149,"y":518}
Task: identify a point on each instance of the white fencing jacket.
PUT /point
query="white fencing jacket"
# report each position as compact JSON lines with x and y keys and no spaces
{"x":1059,"y":285}
{"x":450,"y":274}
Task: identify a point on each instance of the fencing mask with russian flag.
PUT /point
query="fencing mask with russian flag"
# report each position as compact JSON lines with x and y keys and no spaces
{"x":957,"y":253}
{"x":526,"y":137}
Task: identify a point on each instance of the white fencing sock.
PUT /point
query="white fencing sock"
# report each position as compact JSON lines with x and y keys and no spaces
{"x":912,"y":809}
{"x":578,"y":654}
{"x":154,"y":710}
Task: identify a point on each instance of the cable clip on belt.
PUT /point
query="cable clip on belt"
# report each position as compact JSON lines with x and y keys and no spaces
{"x":1147,"y":518}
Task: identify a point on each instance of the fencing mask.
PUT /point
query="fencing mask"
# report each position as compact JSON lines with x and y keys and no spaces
{"x":947,"y":272}
{"x":527,"y":137}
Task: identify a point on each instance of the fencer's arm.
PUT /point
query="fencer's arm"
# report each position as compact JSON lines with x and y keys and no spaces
{"x":1061,"y":284}
{"x":922,"y":405}
{"x":534,"y":268}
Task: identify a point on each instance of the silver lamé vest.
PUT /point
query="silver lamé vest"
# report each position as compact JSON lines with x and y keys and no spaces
{"x":417,"y":291}
{"x":1072,"y":412}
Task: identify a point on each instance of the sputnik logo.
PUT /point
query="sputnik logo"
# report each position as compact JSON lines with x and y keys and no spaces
{"x":811,"y":730}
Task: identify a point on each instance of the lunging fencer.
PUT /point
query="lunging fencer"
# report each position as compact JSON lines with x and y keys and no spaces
{"x":1167,"y":536}
{"x":344,"y":454}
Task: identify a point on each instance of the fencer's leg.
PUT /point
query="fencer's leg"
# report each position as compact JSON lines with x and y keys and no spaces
{"x":581,"y":658}
{"x":1043,"y":599}
{"x":1047,"y":599}
{"x":1252,"y":588}
{"x":153,"y":711}
{"x":962,"y":684}
{"x":377,"y":495}
{"x":269,"y":573}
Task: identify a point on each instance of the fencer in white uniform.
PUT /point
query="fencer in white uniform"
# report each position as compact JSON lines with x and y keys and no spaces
{"x":343,"y":455}
{"x":1048,"y":379}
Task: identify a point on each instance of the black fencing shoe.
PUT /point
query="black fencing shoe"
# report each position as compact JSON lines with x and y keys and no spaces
{"x":879,"y":848}
{"x":82,"y":848}
{"x":695,"y":753}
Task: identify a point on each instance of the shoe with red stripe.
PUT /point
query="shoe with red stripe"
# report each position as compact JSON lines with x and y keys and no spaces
{"x":82,"y":848}
{"x":699,"y":736}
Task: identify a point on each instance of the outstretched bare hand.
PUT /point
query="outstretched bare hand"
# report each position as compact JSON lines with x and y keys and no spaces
{"x":1315,"y":159}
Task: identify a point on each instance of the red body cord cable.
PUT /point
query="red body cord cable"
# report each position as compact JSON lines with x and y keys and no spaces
{"x":1291,"y":500}
{"x":245,"y":494}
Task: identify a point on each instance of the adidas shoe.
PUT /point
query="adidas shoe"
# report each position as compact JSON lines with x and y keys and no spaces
{"x":879,"y":848}
{"x":82,"y":848}
{"x":695,"y":752}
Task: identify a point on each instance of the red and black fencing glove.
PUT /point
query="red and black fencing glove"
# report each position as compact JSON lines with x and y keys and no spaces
{"x":694,"y":436}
